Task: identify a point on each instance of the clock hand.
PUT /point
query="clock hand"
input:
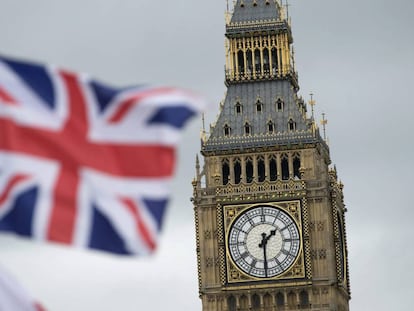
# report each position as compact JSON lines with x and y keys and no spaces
{"x":263,"y":245}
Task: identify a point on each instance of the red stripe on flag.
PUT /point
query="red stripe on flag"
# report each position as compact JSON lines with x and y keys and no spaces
{"x":6,"y":98}
{"x":125,"y":106}
{"x":39,"y":307}
{"x":9,"y":187}
{"x":140,"y":224}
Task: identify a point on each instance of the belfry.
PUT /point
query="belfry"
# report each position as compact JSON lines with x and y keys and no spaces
{"x":269,"y":208}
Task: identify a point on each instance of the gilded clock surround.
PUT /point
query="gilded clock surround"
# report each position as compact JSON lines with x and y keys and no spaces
{"x":265,"y":149}
{"x":295,"y":271}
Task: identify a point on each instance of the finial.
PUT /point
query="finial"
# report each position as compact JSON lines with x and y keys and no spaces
{"x":324,"y":122}
{"x":287,"y":5}
{"x":312,"y":104}
{"x":204,"y":123}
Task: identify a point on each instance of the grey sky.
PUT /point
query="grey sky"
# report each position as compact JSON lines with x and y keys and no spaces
{"x":355,"y":56}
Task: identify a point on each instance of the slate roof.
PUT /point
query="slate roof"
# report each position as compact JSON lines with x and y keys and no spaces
{"x":267,"y":93}
{"x":250,"y":12}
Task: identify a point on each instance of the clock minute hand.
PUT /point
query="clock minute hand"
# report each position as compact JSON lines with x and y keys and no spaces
{"x":263,"y":245}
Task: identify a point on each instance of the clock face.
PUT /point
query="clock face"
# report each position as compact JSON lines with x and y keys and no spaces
{"x":264,"y":241}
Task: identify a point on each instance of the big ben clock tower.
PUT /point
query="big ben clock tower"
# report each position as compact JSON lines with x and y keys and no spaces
{"x":269,"y":208}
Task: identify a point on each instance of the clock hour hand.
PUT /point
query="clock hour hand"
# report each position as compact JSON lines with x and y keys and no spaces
{"x":263,"y":244}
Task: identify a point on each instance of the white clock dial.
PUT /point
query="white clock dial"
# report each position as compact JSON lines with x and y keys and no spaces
{"x":264,"y":241}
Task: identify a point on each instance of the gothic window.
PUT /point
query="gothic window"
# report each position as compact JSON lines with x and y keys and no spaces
{"x":231,"y":303}
{"x":280,"y":300}
{"x":249,"y":58}
{"x":247,"y":129}
{"x":225,"y":172}
{"x":304,"y":298}
{"x":258,"y":61}
{"x":273,"y":169}
{"x":239,"y":108}
{"x":227,"y":130}
{"x":261,"y":170}
{"x":240,"y":59}
{"x":255,"y":302}
{"x":270,"y":127}
{"x":244,"y":303}
{"x":267,"y":302}
{"x":266,"y":60}
{"x":274,"y":61}
{"x":285,"y":167}
{"x":291,"y":125}
{"x":296,"y":166}
{"x":259,"y":106}
{"x":292,"y":300}
{"x":279,"y":105}
{"x":237,"y":171}
{"x":249,"y":170}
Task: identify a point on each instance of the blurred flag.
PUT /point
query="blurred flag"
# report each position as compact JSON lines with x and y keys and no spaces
{"x":13,"y":297}
{"x":84,"y":163}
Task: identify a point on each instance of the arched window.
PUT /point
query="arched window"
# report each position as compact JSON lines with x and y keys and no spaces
{"x":292,"y":300}
{"x":285,"y":167}
{"x":237,"y":171}
{"x":304,"y":298}
{"x":225,"y":172}
{"x":279,"y":105}
{"x":247,"y":129}
{"x":244,"y":303}
{"x":227,"y":130}
{"x":249,"y":58}
{"x":249,"y":170}
{"x":259,"y":106}
{"x":261,"y":170}
{"x":291,"y":125}
{"x":296,"y":166}
{"x":240,"y":60}
{"x":270,"y":127}
{"x":275,"y":65}
{"x":280,"y":299}
{"x":239,"y":108}
{"x":273,"y":169}
{"x":257,"y":61}
{"x":266,"y":60}
{"x":255,"y":302}
{"x":267,"y":302}
{"x":231,"y":303}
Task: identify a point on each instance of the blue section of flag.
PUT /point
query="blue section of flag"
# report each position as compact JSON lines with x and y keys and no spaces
{"x":36,"y":77}
{"x":157,"y":210}
{"x":175,"y":116}
{"x":105,"y":94}
{"x":104,"y":236}
{"x":20,"y":217}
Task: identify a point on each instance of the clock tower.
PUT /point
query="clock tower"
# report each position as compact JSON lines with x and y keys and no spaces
{"x":269,"y":209}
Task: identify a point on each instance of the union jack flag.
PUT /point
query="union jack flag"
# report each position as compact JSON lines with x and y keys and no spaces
{"x":83,"y":163}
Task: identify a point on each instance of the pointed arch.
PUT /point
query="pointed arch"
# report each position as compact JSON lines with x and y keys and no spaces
{"x":231,"y":303}
{"x":249,"y":170}
{"x":273,"y":168}
{"x":280,"y":300}
{"x":285,"y":166}
{"x":247,"y":129}
{"x":225,"y":172}
{"x":296,"y":166}
{"x":237,"y":171}
{"x":227,"y":130}
{"x":270,"y":127}
{"x":291,"y":125}
{"x":255,"y":302}
{"x":266,"y":60}
{"x":261,"y":169}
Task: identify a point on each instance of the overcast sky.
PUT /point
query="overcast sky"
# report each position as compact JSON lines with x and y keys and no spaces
{"x":355,"y":56}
